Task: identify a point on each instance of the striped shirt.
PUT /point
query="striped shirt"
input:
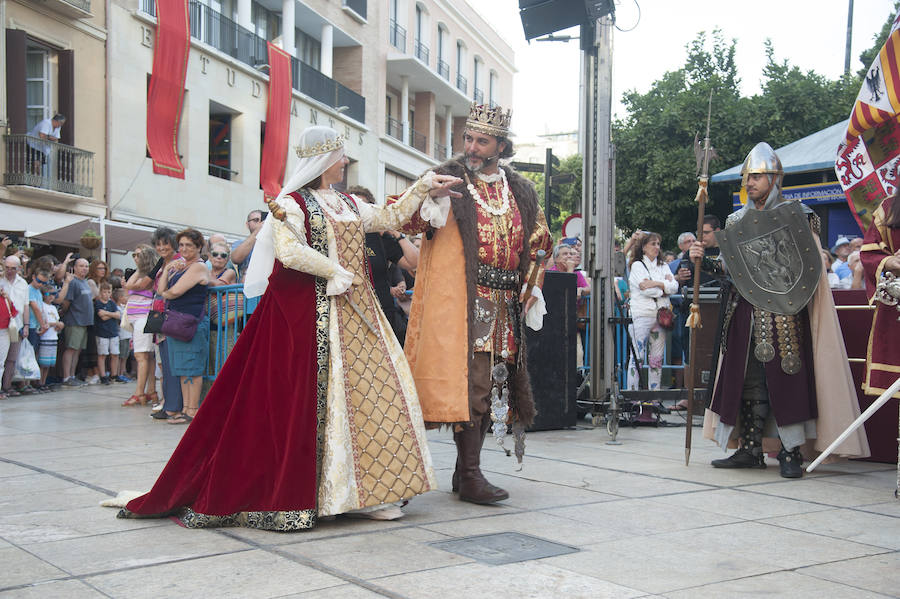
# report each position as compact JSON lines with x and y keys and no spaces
{"x":139,"y":304}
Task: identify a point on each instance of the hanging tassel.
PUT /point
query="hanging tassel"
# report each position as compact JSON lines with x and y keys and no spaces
{"x":693,"y":320}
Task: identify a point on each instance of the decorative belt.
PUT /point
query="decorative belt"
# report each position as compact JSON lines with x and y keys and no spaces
{"x":789,"y":333}
{"x":498,"y":278}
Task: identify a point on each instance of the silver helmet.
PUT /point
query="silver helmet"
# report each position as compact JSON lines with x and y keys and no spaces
{"x":763,"y":159}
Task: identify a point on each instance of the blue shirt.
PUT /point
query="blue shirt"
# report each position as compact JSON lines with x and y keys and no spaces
{"x":34,"y":295}
{"x":843,"y":271}
{"x":105,"y":328}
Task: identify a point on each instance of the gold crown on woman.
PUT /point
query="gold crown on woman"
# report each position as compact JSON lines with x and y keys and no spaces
{"x":323,"y":147}
{"x":490,"y":121}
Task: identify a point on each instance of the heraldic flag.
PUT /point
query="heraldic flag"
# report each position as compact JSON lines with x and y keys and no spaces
{"x":868,"y":157}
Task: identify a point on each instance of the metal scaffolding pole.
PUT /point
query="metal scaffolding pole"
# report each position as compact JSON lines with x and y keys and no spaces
{"x":598,"y":211}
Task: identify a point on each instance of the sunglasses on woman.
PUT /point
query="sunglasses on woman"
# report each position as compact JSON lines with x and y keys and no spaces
{"x":218,"y":254}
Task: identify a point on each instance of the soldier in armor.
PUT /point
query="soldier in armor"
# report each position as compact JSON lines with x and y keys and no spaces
{"x":783,"y":381}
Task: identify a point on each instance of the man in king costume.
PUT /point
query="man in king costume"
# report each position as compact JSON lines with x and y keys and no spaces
{"x":783,"y":382}
{"x":464,"y":342}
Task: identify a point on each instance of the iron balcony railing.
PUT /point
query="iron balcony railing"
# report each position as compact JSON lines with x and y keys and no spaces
{"x":440,"y":151}
{"x":357,"y":6}
{"x":398,"y":36}
{"x":49,"y":165}
{"x":422,"y":52}
{"x":461,"y":83}
{"x":479,"y":96}
{"x":394,"y":128}
{"x":443,"y":69}
{"x":223,"y":34}
{"x":418,"y":141}
{"x":84,"y":5}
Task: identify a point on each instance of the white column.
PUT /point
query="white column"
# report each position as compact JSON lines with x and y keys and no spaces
{"x":327,"y":49}
{"x":288,"y":23}
{"x":243,"y":14}
{"x":448,"y":130}
{"x":404,"y":107}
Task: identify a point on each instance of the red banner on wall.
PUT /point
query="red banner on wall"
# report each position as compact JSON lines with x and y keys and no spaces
{"x":278,"y":123}
{"x":166,"y":93}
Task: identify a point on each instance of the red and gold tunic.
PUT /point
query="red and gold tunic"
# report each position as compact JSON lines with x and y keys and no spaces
{"x":883,"y":353}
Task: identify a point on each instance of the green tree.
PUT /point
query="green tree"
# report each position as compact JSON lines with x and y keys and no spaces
{"x":868,"y":56}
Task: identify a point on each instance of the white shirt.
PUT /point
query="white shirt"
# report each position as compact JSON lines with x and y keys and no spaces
{"x":51,"y":315}
{"x":645,"y":302}
{"x":45,"y":127}
{"x":17,"y":292}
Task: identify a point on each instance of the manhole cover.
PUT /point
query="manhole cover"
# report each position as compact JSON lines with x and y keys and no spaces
{"x":504,"y":548}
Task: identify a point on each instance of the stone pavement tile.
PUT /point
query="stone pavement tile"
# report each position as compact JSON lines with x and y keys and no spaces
{"x":777,"y":584}
{"x":823,"y":491}
{"x":656,"y":565}
{"x":604,"y":480}
{"x":781,"y":548}
{"x":851,"y":467}
{"x":379,"y":554}
{"x":533,"y":579}
{"x":31,"y":441}
{"x":641,"y":517}
{"x":889,"y":508}
{"x":7,"y":469}
{"x":18,"y":566}
{"x":62,"y":499}
{"x":344,"y":591}
{"x":444,"y":506}
{"x":75,"y":461}
{"x":131,"y":477}
{"x":33,"y":483}
{"x":878,"y":573}
{"x":740,"y":504}
{"x":256,"y":573}
{"x":879,"y":480}
{"x":535,"y":495}
{"x":851,"y":525}
{"x":45,"y":526}
{"x":325,"y":529}
{"x":548,"y":526}
{"x":63,"y":589}
{"x":127,"y":549}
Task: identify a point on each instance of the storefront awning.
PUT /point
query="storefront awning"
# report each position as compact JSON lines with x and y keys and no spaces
{"x":34,"y":222}
{"x":118,"y":236}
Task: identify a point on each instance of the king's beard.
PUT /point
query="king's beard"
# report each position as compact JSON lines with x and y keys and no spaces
{"x":481,"y":164}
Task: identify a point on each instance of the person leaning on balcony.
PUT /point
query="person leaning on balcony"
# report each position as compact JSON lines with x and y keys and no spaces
{"x":242,"y":250}
{"x":39,"y":151}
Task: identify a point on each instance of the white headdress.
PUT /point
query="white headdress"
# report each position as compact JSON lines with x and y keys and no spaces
{"x":318,"y":150}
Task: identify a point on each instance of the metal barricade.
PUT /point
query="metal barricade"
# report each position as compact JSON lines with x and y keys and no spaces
{"x":228,"y":309}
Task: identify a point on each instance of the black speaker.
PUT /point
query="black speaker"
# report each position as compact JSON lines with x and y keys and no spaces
{"x":540,"y":17}
{"x":551,"y":356}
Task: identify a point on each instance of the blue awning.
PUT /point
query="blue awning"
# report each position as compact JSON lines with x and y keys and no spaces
{"x":812,"y":153}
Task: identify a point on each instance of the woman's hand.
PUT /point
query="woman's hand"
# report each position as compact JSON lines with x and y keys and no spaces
{"x":176,"y":266}
{"x":647,"y":284}
{"x":441,"y":184}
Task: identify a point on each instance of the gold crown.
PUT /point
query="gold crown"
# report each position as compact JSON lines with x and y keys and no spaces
{"x":323,"y":147}
{"x":490,"y":121}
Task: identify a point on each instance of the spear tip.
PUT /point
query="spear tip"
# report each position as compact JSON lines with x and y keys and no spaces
{"x":687,"y":455}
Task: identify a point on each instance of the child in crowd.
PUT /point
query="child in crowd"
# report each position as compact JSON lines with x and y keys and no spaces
{"x":106,"y":328}
{"x":121,"y":376}
{"x":47,"y":346}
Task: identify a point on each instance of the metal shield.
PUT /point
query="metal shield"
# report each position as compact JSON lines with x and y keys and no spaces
{"x":772,"y":258}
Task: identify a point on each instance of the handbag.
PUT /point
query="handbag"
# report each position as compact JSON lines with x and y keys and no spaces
{"x":155,"y":320}
{"x":12,"y":330}
{"x":124,"y":323}
{"x":665,"y":318}
{"x":179,"y":325}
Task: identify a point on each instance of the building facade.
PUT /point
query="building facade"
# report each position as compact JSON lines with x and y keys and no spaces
{"x":396,"y":76}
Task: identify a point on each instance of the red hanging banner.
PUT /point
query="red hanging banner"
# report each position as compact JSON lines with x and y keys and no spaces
{"x":166,"y":93}
{"x":278,"y":123}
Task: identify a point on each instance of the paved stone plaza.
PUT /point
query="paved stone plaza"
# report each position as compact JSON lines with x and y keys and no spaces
{"x":619,"y":521}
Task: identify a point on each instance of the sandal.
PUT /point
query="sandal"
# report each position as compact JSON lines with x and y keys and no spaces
{"x":11,"y":392}
{"x":179,"y":419}
{"x":134,"y":400}
{"x":152,"y":398}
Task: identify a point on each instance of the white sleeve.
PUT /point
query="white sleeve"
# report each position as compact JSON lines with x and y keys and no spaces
{"x":292,"y":250}
{"x":383,"y":218}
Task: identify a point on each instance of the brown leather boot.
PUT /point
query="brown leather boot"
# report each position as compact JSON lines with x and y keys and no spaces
{"x":473,"y":487}
{"x":454,"y":481}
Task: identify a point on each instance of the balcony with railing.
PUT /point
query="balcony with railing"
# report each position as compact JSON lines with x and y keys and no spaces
{"x":443,"y":69}
{"x":76,"y":9}
{"x":39,"y":163}
{"x":418,"y":141}
{"x":394,"y":128}
{"x":421,"y":52}
{"x":440,"y":151}
{"x":461,"y":83}
{"x":398,"y":36}
{"x":478,"y":96}
{"x":216,"y":30}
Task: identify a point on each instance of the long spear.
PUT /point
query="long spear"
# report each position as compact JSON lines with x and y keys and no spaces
{"x":694,"y":319}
